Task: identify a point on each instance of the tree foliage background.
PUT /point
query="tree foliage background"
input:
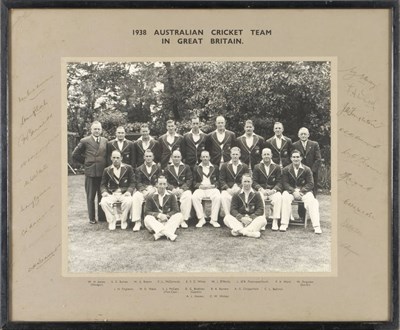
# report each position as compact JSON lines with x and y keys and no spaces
{"x":128,"y":94}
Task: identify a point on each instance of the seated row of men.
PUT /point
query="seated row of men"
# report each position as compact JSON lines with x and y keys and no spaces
{"x":232,"y":186}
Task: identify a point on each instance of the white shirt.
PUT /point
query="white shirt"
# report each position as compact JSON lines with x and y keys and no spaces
{"x":120,"y":144}
{"x":148,"y":168}
{"x":304,"y":144}
{"x":249,"y":140}
{"x":246,"y":194}
{"x":206,"y":170}
{"x":278,"y":142}
{"x":296,"y":170}
{"x":171,"y":139}
{"x":161,"y":199}
{"x":117,"y":171}
{"x":96,"y":139}
{"x":267,"y":168}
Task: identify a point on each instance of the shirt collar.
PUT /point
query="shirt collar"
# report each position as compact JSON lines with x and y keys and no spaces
{"x":242,"y":190}
{"x":231,"y":162}
{"x":301,"y":166}
{"x":153,"y":163}
{"x":209,"y":165}
{"x":140,"y":139}
{"x":114,"y":168}
{"x":165,"y":194}
{"x":178,"y":165}
{"x":200,"y":132}
{"x":272,"y":162}
{"x":95,"y":138}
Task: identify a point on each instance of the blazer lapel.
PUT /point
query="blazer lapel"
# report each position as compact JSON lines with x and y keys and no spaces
{"x":171,"y":170}
{"x":292,"y":173}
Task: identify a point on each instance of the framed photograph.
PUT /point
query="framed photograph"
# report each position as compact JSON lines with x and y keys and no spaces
{"x":199,"y":162}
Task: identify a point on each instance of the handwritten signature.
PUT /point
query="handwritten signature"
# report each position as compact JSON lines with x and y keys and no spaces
{"x":33,"y":93}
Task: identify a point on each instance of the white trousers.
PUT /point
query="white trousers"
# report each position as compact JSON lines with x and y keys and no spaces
{"x":137,"y":204}
{"x":255,"y":226}
{"x":186,"y":204}
{"x":276,"y":201}
{"x":169,"y":227}
{"x":310,"y":203}
{"x":215,"y":197}
{"x":226,"y":200}
{"x":107,"y":206}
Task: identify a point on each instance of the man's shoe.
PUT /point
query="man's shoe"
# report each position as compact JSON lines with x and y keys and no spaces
{"x":317,"y":230}
{"x":158,"y":235}
{"x":92,"y":222}
{"x":137,"y":226}
{"x":234,"y":233}
{"x":255,"y":234}
{"x":275,"y":225}
{"x":112,"y":225}
{"x":124,"y":225}
{"x":201,"y":223}
{"x":184,"y":224}
{"x":215,"y":224}
{"x":282,"y":228}
{"x":171,"y":237}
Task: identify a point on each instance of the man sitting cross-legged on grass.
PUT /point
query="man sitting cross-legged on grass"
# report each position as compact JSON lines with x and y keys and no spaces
{"x":205,"y":177}
{"x":247,"y":211}
{"x":162,"y":216}
{"x":180,"y":179}
{"x":146,"y":178}
{"x":117,"y":185}
{"x":267,"y":177}
{"x":298,"y":184}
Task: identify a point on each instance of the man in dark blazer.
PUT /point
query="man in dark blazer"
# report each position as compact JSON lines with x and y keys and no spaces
{"x":180,"y":180}
{"x":162,"y":216}
{"x":220,"y":142}
{"x":247,"y":211}
{"x":144,"y":143}
{"x":92,"y":151}
{"x":280,"y":146}
{"x":205,"y":180}
{"x":193,"y":144}
{"x":124,"y":146}
{"x":251,"y":146}
{"x":117,"y":185}
{"x":310,"y":154}
{"x":169,"y":142}
{"x":298,"y":184}
{"x":146,"y":179}
{"x":230,"y":179}
{"x":267,"y":180}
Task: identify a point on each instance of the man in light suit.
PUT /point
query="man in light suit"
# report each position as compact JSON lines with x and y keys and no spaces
{"x":162,"y":216}
{"x":298,"y":184}
{"x":280,"y":146}
{"x":146,"y":179}
{"x":92,"y":151}
{"x":169,"y":142}
{"x":220,"y":142}
{"x":124,"y":146}
{"x":247,"y":211}
{"x":144,"y":143}
{"x":230,"y":179}
{"x":205,"y":178}
{"x":310,"y":153}
{"x":251,"y":146}
{"x":267,"y":177}
{"x":117,"y":185}
{"x":193,"y":144}
{"x":180,"y":180}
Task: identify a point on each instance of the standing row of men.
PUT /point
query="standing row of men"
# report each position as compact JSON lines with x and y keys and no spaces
{"x":93,"y":151}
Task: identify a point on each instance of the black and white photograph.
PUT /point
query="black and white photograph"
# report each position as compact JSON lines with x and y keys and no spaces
{"x":199,"y":167}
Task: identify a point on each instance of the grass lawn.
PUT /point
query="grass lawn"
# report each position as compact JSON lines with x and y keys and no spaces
{"x":93,"y":248}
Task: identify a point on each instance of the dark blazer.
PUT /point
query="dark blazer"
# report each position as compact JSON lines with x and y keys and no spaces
{"x":271,"y":181}
{"x":153,"y":207}
{"x":213,"y":146}
{"x":198,"y":176}
{"x":282,"y":155}
{"x":227,"y":178}
{"x":183,"y":180}
{"x":92,"y":155}
{"x":253,"y":208}
{"x":250,"y":156}
{"x":126,"y":182}
{"x":191,"y":151}
{"x":139,"y":151}
{"x":311,"y":156}
{"x":127,"y":151}
{"x":304,"y":180}
{"x":144,"y":179}
{"x":165,"y":150}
